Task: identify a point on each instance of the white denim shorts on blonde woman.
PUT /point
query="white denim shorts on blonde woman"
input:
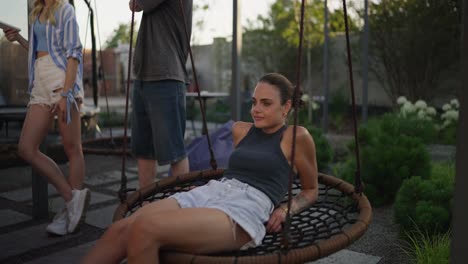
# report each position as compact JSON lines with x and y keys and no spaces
{"x":245,"y":205}
{"x":48,"y":82}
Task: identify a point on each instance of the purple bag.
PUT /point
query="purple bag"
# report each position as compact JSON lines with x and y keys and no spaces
{"x":221,"y":141}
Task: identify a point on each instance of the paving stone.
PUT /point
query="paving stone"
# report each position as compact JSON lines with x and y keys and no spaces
{"x":109,"y":176}
{"x":70,"y":256}
{"x":132,"y":169}
{"x":25,"y":194}
{"x":56,"y":203}
{"x":346,"y":256}
{"x":15,"y":177}
{"x":101,"y":217}
{"x":24,"y":240}
{"x":10,"y":217}
{"x":116,"y":187}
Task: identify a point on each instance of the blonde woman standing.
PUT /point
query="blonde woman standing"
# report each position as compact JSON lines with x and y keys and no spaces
{"x":55,"y":88}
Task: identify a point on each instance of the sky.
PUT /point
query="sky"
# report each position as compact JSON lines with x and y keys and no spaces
{"x":110,"y":13}
{"x":217,"y":19}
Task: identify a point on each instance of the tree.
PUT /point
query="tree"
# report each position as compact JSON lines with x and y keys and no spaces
{"x":272,"y":46}
{"x":413,"y":44}
{"x":122,"y":34}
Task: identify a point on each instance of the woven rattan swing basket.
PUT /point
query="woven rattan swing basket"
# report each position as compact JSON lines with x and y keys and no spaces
{"x":338,"y":218}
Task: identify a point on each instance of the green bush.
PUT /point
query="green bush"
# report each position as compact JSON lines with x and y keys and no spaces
{"x":323,"y":149}
{"x":410,"y":126}
{"x":218,"y":112}
{"x":426,"y":203}
{"x":448,"y":135}
{"x":389,"y":154}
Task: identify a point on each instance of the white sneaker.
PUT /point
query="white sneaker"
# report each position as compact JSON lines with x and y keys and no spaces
{"x":77,"y":208}
{"x":59,"y":223}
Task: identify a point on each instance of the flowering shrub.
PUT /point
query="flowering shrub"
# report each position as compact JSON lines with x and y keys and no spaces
{"x":445,"y":124}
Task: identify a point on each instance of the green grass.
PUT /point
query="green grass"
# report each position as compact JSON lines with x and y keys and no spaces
{"x":426,"y":249}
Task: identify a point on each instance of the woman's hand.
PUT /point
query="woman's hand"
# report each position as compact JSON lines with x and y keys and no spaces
{"x":276,"y":220}
{"x":60,"y":108}
{"x":11,"y":34}
{"x":137,"y":7}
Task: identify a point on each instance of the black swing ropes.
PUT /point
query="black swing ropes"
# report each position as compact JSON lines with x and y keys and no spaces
{"x":341,"y":214}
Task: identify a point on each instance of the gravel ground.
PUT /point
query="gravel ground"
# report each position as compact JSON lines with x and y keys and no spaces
{"x":381,"y":238}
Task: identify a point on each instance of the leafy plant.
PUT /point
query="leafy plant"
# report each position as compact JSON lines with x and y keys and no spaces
{"x":390,"y":153}
{"x":428,"y":249}
{"x":426,"y":203}
{"x":323,"y":149}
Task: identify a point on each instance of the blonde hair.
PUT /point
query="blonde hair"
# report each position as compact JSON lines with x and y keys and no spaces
{"x":39,"y":7}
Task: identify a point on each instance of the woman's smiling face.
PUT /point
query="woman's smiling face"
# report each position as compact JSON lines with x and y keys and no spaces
{"x":267,"y":111}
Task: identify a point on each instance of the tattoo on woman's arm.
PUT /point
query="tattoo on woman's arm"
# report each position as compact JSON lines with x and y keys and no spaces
{"x":299,"y":203}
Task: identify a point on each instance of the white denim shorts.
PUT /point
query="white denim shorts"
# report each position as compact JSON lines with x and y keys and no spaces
{"x":245,"y":205}
{"x":48,"y":78}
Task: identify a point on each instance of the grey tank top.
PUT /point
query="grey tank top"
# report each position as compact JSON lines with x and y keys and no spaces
{"x":259,"y":161}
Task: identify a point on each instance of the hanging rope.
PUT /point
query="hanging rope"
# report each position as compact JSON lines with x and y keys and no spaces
{"x":357,"y":176}
{"x":213,"y":162}
{"x":123,"y":178}
{"x":86,"y":38}
{"x":295,"y":103}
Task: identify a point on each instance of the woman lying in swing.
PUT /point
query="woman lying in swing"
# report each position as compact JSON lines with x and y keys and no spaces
{"x":235,"y":212}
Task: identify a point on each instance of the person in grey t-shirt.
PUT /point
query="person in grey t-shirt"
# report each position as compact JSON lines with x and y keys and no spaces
{"x":158,"y":97}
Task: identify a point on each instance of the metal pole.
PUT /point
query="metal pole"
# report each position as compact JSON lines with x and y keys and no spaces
{"x":325,"y":70}
{"x":236,"y":54}
{"x":459,"y":250}
{"x":365,"y":64}
{"x":93,"y":54}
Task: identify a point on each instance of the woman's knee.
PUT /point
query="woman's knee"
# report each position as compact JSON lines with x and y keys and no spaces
{"x":72,"y":148}
{"x":26,"y":152}
{"x":143,"y":233}
{"x":117,"y":229}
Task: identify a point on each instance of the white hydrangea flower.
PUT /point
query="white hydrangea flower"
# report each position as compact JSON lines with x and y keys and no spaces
{"x":420,"y":104}
{"x":452,"y":115}
{"x":315,"y":106}
{"x":446,"y":123}
{"x":455,"y":103}
{"x":421,"y":114}
{"x":446,"y":107}
{"x":431,"y":111}
{"x":408,"y":108}
{"x":401,"y":100}
{"x":305,"y":98}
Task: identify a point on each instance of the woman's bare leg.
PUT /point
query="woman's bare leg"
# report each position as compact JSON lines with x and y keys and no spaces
{"x":112,"y":246}
{"x":71,"y":140}
{"x":194,"y":230}
{"x":35,"y":127}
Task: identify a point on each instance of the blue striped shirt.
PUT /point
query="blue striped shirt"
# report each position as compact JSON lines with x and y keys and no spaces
{"x":63,"y":42}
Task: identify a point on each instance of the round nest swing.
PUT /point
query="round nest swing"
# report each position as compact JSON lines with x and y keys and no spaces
{"x":105,"y":146}
{"x":340,"y":216}
{"x":337,"y":219}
